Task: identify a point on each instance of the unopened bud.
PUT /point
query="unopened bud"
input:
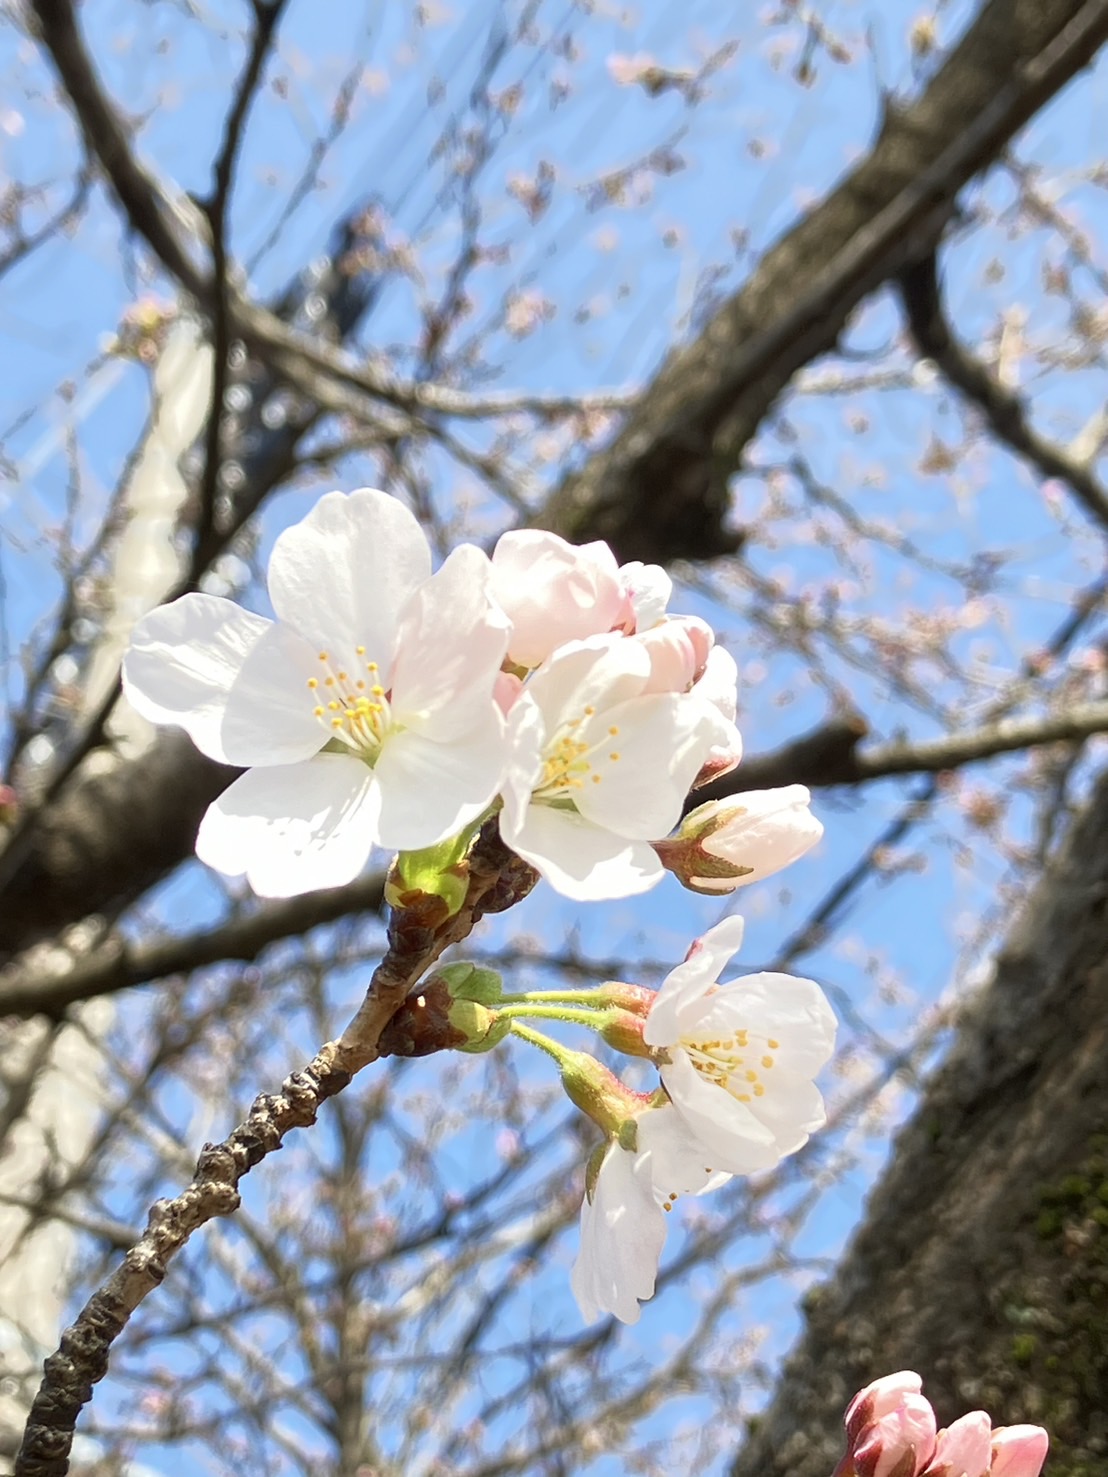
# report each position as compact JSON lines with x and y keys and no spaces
{"x":436,"y":871}
{"x":482,"y":1028}
{"x":598,"y":1092}
{"x":623,"y":1030}
{"x":727,"y":843}
{"x":1018,"y":1451}
{"x":471,"y":982}
{"x":890,"y":1429}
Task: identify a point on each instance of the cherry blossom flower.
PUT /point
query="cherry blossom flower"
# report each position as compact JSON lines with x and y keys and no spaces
{"x":727,"y":844}
{"x":364,"y":714}
{"x":553,"y":592}
{"x":738,"y":1059}
{"x":964,"y":1449}
{"x":599,"y":765}
{"x":623,"y":1218}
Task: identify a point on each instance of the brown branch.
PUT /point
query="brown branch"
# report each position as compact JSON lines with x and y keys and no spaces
{"x":1004,"y":411}
{"x":659,"y":490}
{"x":417,"y":937}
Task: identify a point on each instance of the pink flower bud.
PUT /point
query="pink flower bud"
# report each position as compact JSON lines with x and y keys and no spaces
{"x":879,"y":1398}
{"x":678,"y":649}
{"x":899,"y":1443}
{"x":1018,"y":1451}
{"x":964,"y":1449}
{"x":728,"y":843}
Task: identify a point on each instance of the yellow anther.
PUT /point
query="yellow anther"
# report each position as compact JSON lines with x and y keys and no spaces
{"x":767,"y":1061}
{"x":743,"y":1097}
{"x":743,"y":1040}
{"x":751,"y":1076}
{"x":371,"y":666}
{"x":595,"y":779}
{"x":336,"y":722}
{"x":342,"y":676}
{"x":759,"y":1090}
{"x":313,"y":682}
{"x":319,"y":712}
{"x":334,"y":706}
{"x":589,"y":711}
{"x":323,"y":656}
{"x":360,"y":650}
{"x":377,"y":690}
{"x":614,"y":729}
{"x":359,"y":683}
{"x":613,"y":757}
{"x":772,"y":1044}
{"x":329,"y":682}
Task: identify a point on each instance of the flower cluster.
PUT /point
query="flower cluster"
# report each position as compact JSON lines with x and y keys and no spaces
{"x":891,"y":1431}
{"x":737,"y":1063}
{"x":395,"y":706}
{"x":390,"y":706}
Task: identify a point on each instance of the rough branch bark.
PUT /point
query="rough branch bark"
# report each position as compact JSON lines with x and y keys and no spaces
{"x":659,"y":492}
{"x":982,"y":1261}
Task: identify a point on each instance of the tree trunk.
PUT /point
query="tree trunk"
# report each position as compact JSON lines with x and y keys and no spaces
{"x":982,"y":1261}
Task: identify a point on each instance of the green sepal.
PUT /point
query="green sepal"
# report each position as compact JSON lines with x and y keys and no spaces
{"x":472,"y":982}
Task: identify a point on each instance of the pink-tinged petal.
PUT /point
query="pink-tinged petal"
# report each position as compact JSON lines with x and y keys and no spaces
{"x":430,"y":790}
{"x":879,"y":1398}
{"x":506,"y":691}
{"x":641,"y":774}
{"x":899,"y":1443}
{"x":733,"y":1138}
{"x":294,"y":827}
{"x":623,"y":1231}
{"x":553,"y":592}
{"x":675,"y":1156}
{"x":184,"y":659}
{"x":1018,"y":1451}
{"x":964,"y":1449}
{"x":270,"y":716}
{"x":598,"y":673}
{"x":648,"y":588}
{"x":450,"y":645}
{"x":764,"y":830}
{"x":690,"y":981}
{"x":341,"y":576}
{"x":678,"y":650}
{"x":580,"y":860}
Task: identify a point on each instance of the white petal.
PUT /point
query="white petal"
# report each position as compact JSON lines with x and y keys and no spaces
{"x":580,"y":860}
{"x":597,"y":673}
{"x":430,"y":790}
{"x":732,"y":1137}
{"x":660,"y":744}
{"x":451,"y":642}
{"x":791,"y":1108}
{"x":675,"y":1155}
{"x":791,"y":1010}
{"x":341,"y":575}
{"x":270,"y":715}
{"x":649,"y":589}
{"x":294,"y":827}
{"x":707,"y":958}
{"x":719,"y":682}
{"x":183,"y":661}
{"x":526,"y":737}
{"x":768,"y":830}
{"x":623,"y":1231}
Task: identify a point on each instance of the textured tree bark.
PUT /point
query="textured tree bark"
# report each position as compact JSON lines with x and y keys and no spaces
{"x":660,"y":491}
{"x":982,"y":1261}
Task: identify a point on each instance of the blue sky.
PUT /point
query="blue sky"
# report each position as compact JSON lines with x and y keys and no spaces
{"x":622,"y":282}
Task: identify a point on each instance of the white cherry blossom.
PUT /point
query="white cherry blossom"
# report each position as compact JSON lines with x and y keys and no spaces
{"x":738,"y":1059}
{"x":623,"y":1217}
{"x":725,"y":844}
{"x":600,"y":764}
{"x":386,"y":666}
